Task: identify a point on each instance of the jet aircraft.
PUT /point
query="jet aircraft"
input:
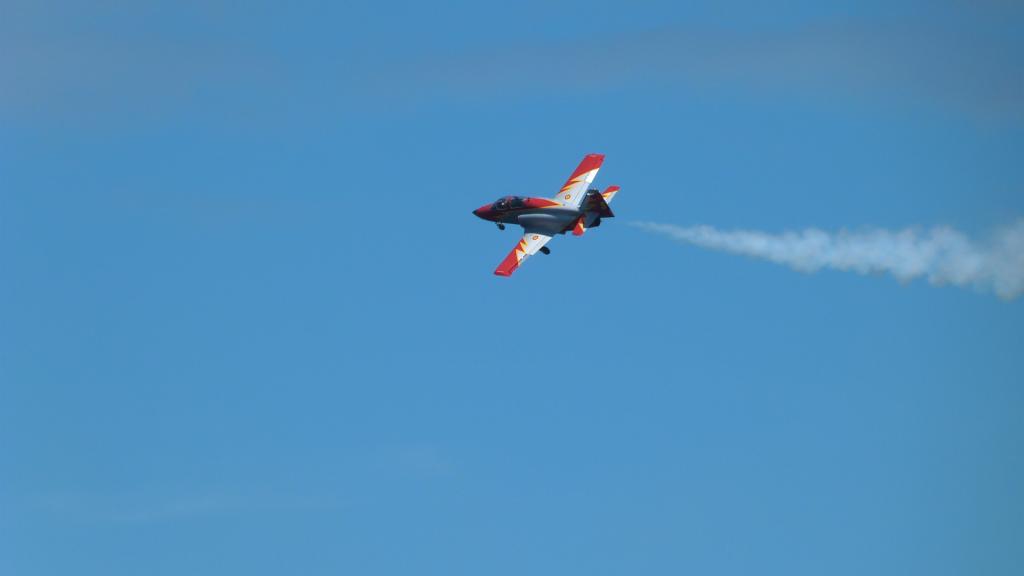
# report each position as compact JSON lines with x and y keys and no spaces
{"x":577,"y":207}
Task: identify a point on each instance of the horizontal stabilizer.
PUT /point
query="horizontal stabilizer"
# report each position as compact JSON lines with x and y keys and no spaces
{"x":609,"y":193}
{"x":581,"y":226}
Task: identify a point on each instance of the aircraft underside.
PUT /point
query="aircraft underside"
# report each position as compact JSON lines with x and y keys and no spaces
{"x":549,"y":221}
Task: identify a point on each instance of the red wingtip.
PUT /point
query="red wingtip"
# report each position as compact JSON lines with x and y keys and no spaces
{"x":590,"y":162}
{"x":508,"y":265}
{"x":512,"y":261}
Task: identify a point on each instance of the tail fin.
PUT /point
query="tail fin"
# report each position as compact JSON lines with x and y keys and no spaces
{"x":597,"y":202}
{"x":594,"y":207}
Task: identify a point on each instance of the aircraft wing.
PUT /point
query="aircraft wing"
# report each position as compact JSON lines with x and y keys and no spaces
{"x":528,"y":245}
{"x":575,"y":188}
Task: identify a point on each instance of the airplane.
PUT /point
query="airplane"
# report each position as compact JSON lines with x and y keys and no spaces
{"x":577,"y":207}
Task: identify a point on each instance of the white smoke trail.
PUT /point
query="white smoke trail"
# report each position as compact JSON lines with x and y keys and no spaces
{"x":943,"y":255}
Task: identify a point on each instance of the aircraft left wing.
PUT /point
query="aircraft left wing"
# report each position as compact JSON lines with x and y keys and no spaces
{"x":528,"y":245}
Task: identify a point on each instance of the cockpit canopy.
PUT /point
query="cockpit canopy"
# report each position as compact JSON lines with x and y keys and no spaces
{"x":507,"y":203}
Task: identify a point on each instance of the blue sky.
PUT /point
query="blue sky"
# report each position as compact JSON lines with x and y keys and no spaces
{"x":249,"y":323}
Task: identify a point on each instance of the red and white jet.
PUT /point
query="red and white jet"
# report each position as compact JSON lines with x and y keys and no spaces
{"x":577,"y":207}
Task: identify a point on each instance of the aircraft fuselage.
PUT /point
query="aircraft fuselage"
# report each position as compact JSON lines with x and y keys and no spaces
{"x":540,"y":214}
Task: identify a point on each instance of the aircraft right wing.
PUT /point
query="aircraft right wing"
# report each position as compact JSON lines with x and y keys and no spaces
{"x":575,"y":188}
{"x":528,"y":245}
